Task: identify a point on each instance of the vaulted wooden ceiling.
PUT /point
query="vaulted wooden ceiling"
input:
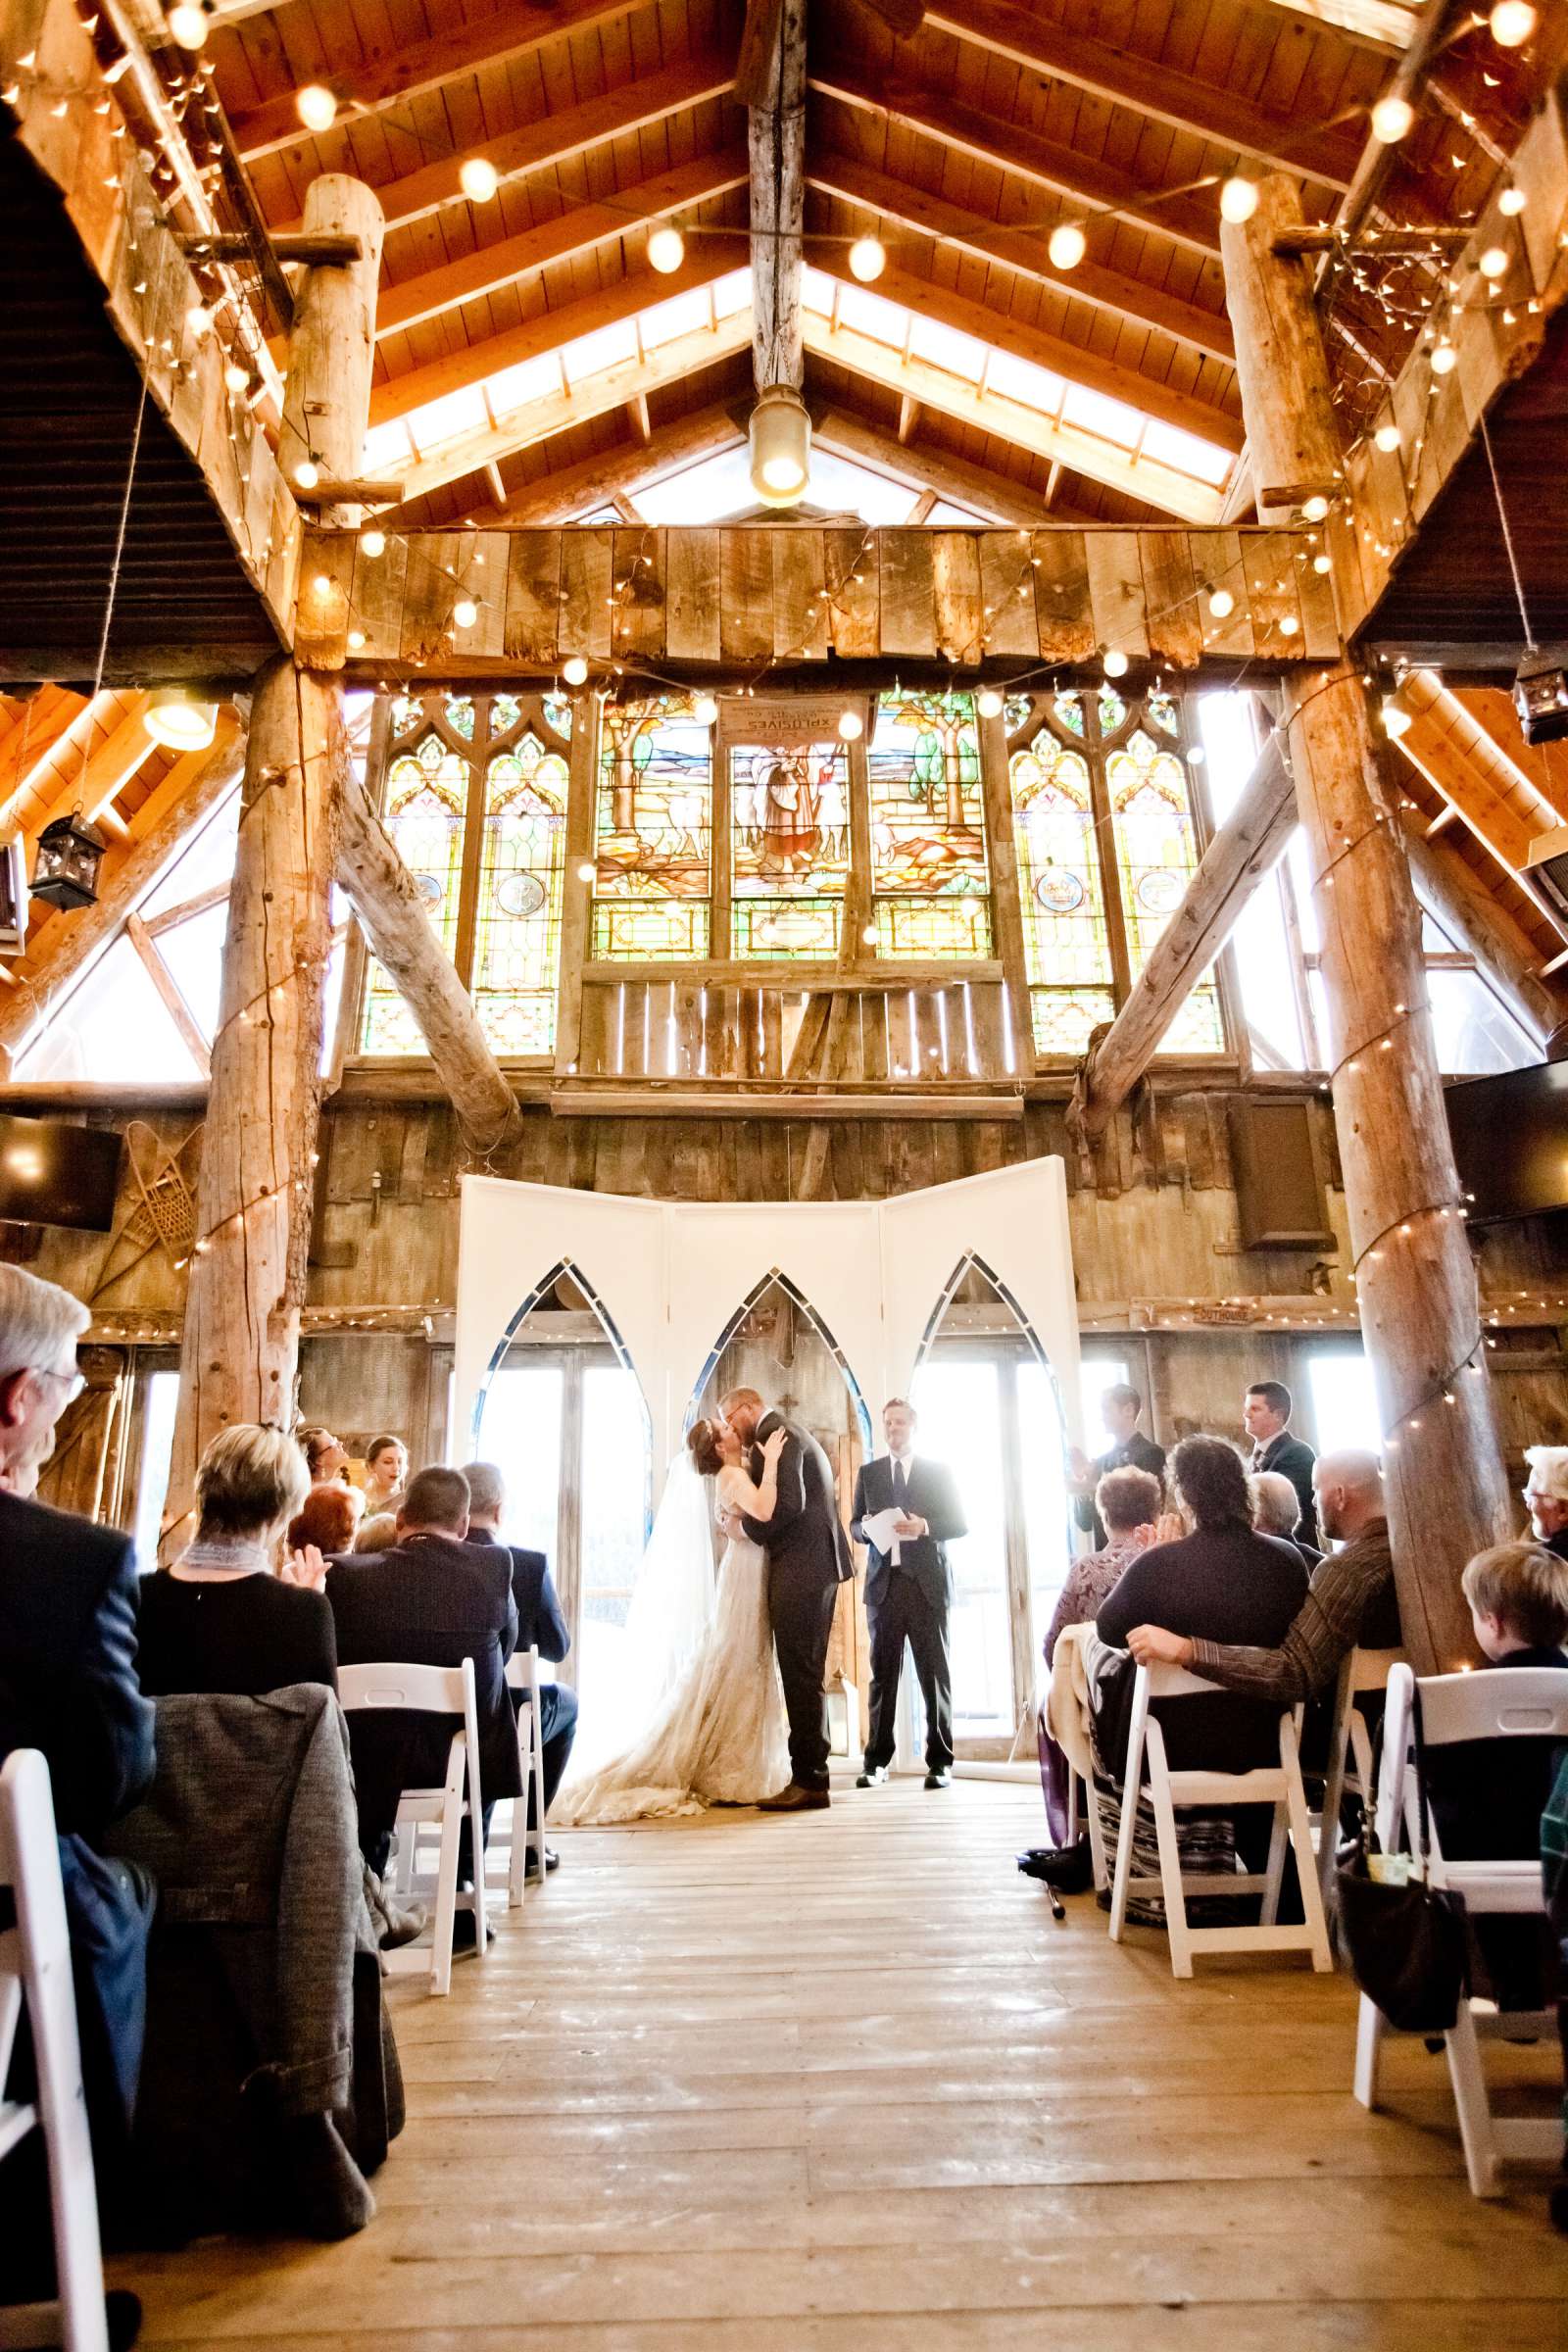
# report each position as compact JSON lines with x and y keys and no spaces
{"x":963,"y":143}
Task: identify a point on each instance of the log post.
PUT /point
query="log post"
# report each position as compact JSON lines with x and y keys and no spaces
{"x":240,"y":1347}
{"x":776,"y":146}
{"x":1420,"y":1311}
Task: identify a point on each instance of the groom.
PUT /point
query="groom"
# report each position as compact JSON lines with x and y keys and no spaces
{"x":808,"y":1559}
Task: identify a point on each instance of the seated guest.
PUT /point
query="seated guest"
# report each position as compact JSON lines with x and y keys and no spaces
{"x":386,"y":1471}
{"x":325,"y":1456}
{"x":1129,"y":1448}
{"x":327,"y":1520}
{"x":378,"y":1534}
{"x":1127,"y":1504}
{"x":68,"y":1686}
{"x":1277,"y":1512}
{"x":222,"y":1618}
{"x":1222,"y":1582}
{"x":1546,"y":1496}
{"x":432,"y":1599}
{"x":1350,"y":1604}
{"x":1266,"y":1411}
{"x":540,"y":1625}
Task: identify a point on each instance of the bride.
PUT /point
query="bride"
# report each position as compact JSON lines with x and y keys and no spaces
{"x":717,"y":1734}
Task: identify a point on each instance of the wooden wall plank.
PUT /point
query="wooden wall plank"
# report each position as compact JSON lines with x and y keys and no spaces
{"x":379,"y":585}
{"x":955,"y":595}
{"x":1271,"y":595}
{"x":853,"y":570}
{"x":746,"y":594}
{"x":1170,"y":591}
{"x":1232,"y":634}
{"x":800,"y":596}
{"x":533,"y":605}
{"x":586,"y":574}
{"x":692,"y":595}
{"x":909,"y":595}
{"x":1008,"y":593}
{"x":1063,"y":616}
{"x":1117,"y":592}
{"x":639,"y":592}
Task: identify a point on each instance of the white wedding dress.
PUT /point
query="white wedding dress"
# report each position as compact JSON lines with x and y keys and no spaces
{"x":716,"y":1733}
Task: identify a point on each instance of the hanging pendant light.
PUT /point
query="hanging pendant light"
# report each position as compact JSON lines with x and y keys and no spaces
{"x":176,"y":716}
{"x":781,"y":445}
{"x":66,"y":870}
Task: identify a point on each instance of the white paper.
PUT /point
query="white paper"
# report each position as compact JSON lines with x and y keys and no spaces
{"x":881,"y":1529}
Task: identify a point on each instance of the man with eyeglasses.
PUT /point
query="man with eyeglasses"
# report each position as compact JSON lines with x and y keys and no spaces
{"x":1546,"y":1496}
{"x":68,"y":1685}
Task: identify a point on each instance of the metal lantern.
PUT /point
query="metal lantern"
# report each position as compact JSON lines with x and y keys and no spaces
{"x":65,"y":869}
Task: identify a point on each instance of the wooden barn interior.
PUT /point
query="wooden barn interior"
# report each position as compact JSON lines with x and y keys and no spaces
{"x":794,"y":604}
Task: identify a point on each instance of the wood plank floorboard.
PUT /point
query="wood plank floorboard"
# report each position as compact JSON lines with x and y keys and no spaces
{"x":738,"y":2085}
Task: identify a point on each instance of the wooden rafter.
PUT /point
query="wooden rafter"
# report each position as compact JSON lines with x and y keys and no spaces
{"x":39,"y":726}
{"x":568,"y":491}
{"x":169,"y":995}
{"x":1123,"y":78}
{"x":1475,"y":915}
{"x":1379,"y":23}
{"x":1022,"y":250}
{"x":777,"y":140}
{"x":921,"y":467}
{"x":123,"y":750}
{"x":1499,"y":804}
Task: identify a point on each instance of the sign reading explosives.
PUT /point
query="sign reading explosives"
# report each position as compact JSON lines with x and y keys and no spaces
{"x":789,"y":721}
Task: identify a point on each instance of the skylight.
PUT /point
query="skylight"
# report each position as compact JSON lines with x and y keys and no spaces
{"x":719,"y":487}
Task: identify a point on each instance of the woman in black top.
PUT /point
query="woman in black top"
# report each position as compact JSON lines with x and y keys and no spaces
{"x":220,"y":1619}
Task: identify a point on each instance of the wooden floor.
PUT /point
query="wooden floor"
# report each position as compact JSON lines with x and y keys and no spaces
{"x":839,"y":2082}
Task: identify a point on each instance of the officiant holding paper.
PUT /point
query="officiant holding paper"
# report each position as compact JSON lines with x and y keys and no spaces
{"x":906,"y":1512}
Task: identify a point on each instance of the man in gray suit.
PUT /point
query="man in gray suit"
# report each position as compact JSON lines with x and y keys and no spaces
{"x":808,"y":1559}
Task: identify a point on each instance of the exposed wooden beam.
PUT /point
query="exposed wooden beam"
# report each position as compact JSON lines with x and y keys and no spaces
{"x":1020,"y":250}
{"x":1191,"y":219}
{"x":991,"y":413}
{"x":500,"y":36}
{"x":555,"y":138}
{"x":1491,"y":710}
{"x":49,"y":715}
{"x":71,"y":948}
{"x":1377,"y":24}
{"x":127,"y":748}
{"x":473,"y":362}
{"x":758,"y":51}
{"x":396,"y":924}
{"x":776,"y":142}
{"x":1504,"y":951}
{"x":1124,"y":77}
{"x":1500,"y":805}
{"x":168,"y":993}
{"x":568,"y":238}
{"x":594,"y":396}
{"x":578,"y":489}
{"x":1073,"y":362}
{"x":1245,"y":847}
{"x":923,"y":467}
{"x":909,"y":418}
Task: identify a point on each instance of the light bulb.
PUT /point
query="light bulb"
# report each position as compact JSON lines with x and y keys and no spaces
{"x":783,"y":472}
{"x":1289,"y":624}
{"x":478,"y":178}
{"x":236,"y":379}
{"x":199,"y":319}
{"x":372,"y":543}
{"x":1512,"y":21}
{"x":307,"y":474}
{"x":316,"y":106}
{"x":1494,"y":263}
{"x":465,"y":613}
{"x":1196,"y":755}
{"x":1221,"y":603}
{"x":704,"y":711}
{"x":1396,"y":720}
{"x":1322,"y":562}
{"x":322,"y":583}
{"x":1393,"y":120}
{"x":666,"y":249}
{"x":868,"y":259}
{"x":587,"y":871}
{"x":1067,"y":245}
{"x":850,"y":726}
{"x":868,"y":934}
{"x":1116,"y":663}
{"x":1445,"y":360}
{"x":987,"y":702}
{"x":1316,"y":508}
{"x":1387,"y":437}
{"x":174,"y":717}
{"x":1511,"y":203}
{"x":1237,"y":199}
{"x":575,"y":670}
{"x":188,"y":25}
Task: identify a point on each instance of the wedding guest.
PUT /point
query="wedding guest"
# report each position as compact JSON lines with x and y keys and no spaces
{"x":328,"y":1518}
{"x":378,"y":1534}
{"x":1266,"y":1411}
{"x":1127,"y":1503}
{"x":224,"y":1617}
{"x":1129,"y":1449}
{"x":325,"y":1457}
{"x":1546,"y":1496}
{"x":909,"y":1590}
{"x":1277,"y":1512}
{"x":386,"y":1474}
{"x":69,"y":1688}
{"x":540,"y":1626}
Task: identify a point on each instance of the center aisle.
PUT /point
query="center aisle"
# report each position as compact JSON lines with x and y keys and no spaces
{"x":834,"y":2081}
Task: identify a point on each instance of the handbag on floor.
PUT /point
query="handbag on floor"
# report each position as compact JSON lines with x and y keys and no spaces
{"x":1406,"y":1940}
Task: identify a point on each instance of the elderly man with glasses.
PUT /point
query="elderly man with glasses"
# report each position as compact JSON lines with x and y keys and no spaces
{"x":68,"y":1685}
{"x":1546,"y":1496}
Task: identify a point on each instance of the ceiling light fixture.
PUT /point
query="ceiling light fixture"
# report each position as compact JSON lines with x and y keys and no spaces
{"x":987,"y":702}
{"x":188,"y":25}
{"x":1512,"y":21}
{"x":316,"y":106}
{"x":575,"y":670}
{"x":781,"y":445}
{"x":869,"y":258}
{"x":666,"y":249}
{"x":478,"y":178}
{"x":1237,"y":199}
{"x":177,"y":718}
{"x":852,"y":726}
{"x":1393,"y":120}
{"x":1067,"y":245}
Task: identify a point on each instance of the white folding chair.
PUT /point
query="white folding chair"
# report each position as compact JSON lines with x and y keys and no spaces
{"x":432,"y":1690}
{"x":522,"y":1674}
{"x":1276,"y":1785}
{"x":35,"y":1971}
{"x":1504,"y":1703}
{"x":1361,"y":1670}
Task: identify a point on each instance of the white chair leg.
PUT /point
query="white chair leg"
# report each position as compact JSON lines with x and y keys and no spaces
{"x":516,"y":1876}
{"x":1170,"y":1869}
{"x":445,"y":1892}
{"x":1305,"y":1871}
{"x":1369,"y":2031}
{"x":1275,"y":1872}
{"x":536,"y":1737}
{"x":1125,"y":1841}
{"x":1471,"y":2098}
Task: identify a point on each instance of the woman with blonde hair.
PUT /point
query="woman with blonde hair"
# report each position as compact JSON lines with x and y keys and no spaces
{"x":230,"y":1615}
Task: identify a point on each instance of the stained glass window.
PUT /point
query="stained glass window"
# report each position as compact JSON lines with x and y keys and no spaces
{"x":789,"y":848}
{"x":1156,"y":853}
{"x":1066,"y":946}
{"x":654,"y":848}
{"x":475,"y":803}
{"x":930,"y":886}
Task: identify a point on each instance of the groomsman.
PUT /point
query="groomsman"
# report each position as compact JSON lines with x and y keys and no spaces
{"x":1129,"y":1449}
{"x":1266,"y":1418}
{"x":908,"y":1589}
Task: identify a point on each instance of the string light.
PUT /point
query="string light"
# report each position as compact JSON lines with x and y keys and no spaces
{"x":1393,"y":120}
{"x":1237,"y":199}
{"x":575,"y":670}
{"x":850,"y":726}
{"x":372,"y":543}
{"x":478,"y":178}
{"x":1221,"y":603}
{"x":1511,"y":202}
{"x":1512,"y":23}
{"x":1387,"y":438}
{"x":706,"y":711}
{"x":666,"y":249}
{"x":989,"y":702}
{"x":465,"y":613}
{"x":1316,"y":508}
{"x":869,"y":258}
{"x":1114,"y":661}
{"x":1494,"y":263}
{"x":1067,"y":245}
{"x":188,"y":25}
{"x":316,"y":106}
{"x":307,"y":474}
{"x":1445,"y":359}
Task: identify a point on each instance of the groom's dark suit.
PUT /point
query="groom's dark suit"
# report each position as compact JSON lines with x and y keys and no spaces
{"x":808,"y":1559}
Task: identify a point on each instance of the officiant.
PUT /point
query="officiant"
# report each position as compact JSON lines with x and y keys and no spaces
{"x":906,"y":1512}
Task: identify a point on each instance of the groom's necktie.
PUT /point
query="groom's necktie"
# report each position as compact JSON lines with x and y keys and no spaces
{"x":901,"y":1486}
